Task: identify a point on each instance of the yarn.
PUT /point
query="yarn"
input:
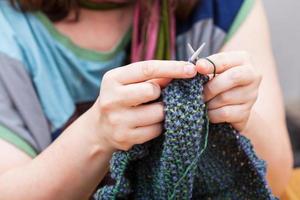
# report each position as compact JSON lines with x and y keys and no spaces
{"x":193,"y":159}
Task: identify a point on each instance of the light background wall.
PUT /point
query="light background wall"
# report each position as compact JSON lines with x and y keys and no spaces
{"x":284,"y":19}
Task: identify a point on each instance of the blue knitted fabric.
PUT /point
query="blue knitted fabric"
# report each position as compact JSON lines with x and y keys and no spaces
{"x":191,"y":160}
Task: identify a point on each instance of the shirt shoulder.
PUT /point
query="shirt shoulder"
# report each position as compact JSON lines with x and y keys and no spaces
{"x":16,"y":31}
{"x":22,"y":37}
{"x":213,"y":22}
{"x":223,"y":13}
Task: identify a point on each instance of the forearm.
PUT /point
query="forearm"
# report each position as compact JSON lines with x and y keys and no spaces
{"x":70,"y":168}
{"x":270,"y":140}
{"x":266,"y":127}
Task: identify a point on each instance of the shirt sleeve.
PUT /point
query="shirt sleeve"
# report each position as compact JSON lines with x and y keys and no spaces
{"x":241,"y":14}
{"x":12,"y":127}
{"x":22,"y":122}
{"x":214,"y":22}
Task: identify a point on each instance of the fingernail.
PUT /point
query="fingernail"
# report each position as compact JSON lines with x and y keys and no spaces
{"x":190,"y":69}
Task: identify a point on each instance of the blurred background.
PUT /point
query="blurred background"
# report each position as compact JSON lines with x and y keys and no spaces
{"x":284,"y":19}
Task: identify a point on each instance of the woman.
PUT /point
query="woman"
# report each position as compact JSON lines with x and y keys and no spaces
{"x":52,"y":62}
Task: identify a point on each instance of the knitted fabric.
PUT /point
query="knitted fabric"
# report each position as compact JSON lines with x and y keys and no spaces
{"x":191,"y":160}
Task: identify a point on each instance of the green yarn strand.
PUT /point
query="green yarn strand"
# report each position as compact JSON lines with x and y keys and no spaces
{"x":166,"y":16}
{"x":193,"y":164}
{"x":163,"y":51}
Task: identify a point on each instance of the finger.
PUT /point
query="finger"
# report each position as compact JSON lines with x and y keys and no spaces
{"x":145,"y":115}
{"x":162,"y":82}
{"x":238,"y":95}
{"x":143,"y":134}
{"x":223,"y":61}
{"x":234,"y":77}
{"x":147,"y":70}
{"x":211,"y":76}
{"x":230,"y":114}
{"x":138,"y":93}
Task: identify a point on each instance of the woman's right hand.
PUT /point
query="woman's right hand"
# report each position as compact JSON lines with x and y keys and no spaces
{"x":124,"y":118}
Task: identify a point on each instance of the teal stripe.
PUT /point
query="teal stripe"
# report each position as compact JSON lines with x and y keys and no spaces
{"x":17,"y":141}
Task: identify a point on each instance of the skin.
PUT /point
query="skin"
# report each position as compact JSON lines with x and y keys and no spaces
{"x":240,"y":94}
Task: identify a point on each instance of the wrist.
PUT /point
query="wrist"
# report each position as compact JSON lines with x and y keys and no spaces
{"x":96,"y":131}
{"x":88,"y":125}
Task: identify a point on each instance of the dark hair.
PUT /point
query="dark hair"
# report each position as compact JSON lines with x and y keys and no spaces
{"x":58,"y":9}
{"x":55,"y":9}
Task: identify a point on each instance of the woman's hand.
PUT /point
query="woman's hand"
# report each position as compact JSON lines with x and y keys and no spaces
{"x":124,"y":117}
{"x":232,"y":93}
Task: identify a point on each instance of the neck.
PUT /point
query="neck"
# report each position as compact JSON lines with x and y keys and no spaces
{"x":97,"y":30}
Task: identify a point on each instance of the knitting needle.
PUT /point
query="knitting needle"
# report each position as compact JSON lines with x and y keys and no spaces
{"x":190,"y":49}
{"x":196,"y":54}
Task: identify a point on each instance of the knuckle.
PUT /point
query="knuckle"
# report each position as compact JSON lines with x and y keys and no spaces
{"x":148,"y":70}
{"x":125,"y":147}
{"x":258,"y":75}
{"x":224,"y":114}
{"x":108,"y":76}
{"x":108,"y":102}
{"x":236,"y":76}
{"x":113,"y":96}
{"x":224,"y":98}
{"x":247,"y":107}
{"x":253,"y":74}
{"x":114,"y":119}
{"x":152,"y":91}
{"x":105,"y":106}
{"x":161,"y":109}
{"x":122,"y":94}
{"x":254,"y":97}
{"x":223,"y":59}
{"x":119,"y":137}
{"x":244,"y":116}
{"x":158,"y":110}
{"x":156,"y":133}
{"x":208,"y":89}
{"x":249,"y":70}
{"x":244,"y":111}
{"x":212,"y":117}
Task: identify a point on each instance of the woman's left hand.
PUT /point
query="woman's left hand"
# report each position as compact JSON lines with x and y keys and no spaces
{"x":231,"y":95}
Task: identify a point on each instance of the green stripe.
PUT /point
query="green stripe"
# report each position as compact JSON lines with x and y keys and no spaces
{"x":17,"y":141}
{"x":101,"y":6}
{"x":79,"y":51}
{"x":240,"y":18}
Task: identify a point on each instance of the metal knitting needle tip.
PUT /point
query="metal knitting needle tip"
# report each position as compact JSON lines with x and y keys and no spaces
{"x":190,"y":48}
{"x":197,"y":53}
